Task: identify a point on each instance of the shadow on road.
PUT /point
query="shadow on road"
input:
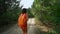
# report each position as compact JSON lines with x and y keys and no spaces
{"x":5,"y":27}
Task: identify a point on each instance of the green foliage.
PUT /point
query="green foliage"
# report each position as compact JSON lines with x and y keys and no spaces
{"x":47,"y":11}
{"x":30,"y":15}
{"x":9,"y":11}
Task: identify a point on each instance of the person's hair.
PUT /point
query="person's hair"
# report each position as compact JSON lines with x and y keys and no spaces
{"x":24,"y":10}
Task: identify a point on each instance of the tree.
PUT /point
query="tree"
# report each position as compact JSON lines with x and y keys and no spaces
{"x":9,"y":11}
{"x":47,"y":11}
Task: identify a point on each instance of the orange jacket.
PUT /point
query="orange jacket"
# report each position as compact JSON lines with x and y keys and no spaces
{"x":22,"y":20}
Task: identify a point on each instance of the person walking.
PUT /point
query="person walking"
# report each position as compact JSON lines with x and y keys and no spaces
{"x":22,"y":20}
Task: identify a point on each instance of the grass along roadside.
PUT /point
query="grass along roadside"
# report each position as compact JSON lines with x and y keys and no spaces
{"x":44,"y":28}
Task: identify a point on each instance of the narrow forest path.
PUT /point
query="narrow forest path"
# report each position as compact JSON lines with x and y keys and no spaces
{"x":33,"y":28}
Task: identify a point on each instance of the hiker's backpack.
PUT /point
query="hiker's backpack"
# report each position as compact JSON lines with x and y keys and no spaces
{"x":22,"y":20}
